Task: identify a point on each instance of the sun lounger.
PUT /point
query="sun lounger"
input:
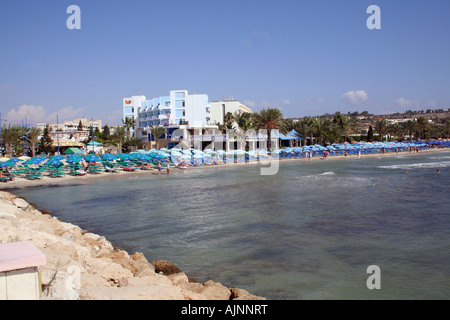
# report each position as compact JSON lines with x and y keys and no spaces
{"x":109,"y":169}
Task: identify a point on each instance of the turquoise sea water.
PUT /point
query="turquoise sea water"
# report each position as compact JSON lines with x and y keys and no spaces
{"x":308,"y":232}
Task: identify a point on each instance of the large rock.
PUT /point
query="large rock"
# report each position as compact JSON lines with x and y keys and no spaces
{"x":7,"y":210}
{"x":241,"y":294}
{"x":107,"y":269}
{"x":148,"y":292}
{"x":21,"y":203}
{"x":165,"y":267}
{"x":210,"y":290}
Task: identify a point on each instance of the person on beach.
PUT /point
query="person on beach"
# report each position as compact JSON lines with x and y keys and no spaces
{"x":159,"y":168}
{"x":168,"y":167}
{"x":359,"y":154}
{"x":406,"y":171}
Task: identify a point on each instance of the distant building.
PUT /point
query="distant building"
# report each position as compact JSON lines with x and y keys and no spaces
{"x":73,"y":125}
{"x":72,"y":131}
{"x":220,"y":108}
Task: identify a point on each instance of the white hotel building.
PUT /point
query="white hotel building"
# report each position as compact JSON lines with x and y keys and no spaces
{"x":178,"y":110}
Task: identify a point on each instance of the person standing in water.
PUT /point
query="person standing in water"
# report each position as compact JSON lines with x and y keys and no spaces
{"x":159,"y":168}
{"x":168,"y":167}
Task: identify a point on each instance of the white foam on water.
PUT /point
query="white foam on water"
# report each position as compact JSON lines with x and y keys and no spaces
{"x":440,"y":164}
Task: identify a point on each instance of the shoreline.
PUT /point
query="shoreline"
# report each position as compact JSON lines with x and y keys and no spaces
{"x":22,"y":183}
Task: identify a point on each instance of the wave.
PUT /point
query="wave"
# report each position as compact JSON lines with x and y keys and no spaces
{"x":441,"y":164}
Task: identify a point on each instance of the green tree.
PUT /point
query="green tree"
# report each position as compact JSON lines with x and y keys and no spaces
{"x":129,"y":124}
{"x":381,"y":127}
{"x":305,"y":128}
{"x":157,"y":132}
{"x":228,"y":120}
{"x":80,"y":126}
{"x":410,"y":126}
{"x":422,"y":127}
{"x":106,"y":134}
{"x":370,"y":134}
{"x":33,"y":135}
{"x":269,"y":119}
{"x":243,"y":120}
{"x":10,"y":136}
{"x":132,"y":142}
{"x":118,"y":136}
{"x":46,"y":142}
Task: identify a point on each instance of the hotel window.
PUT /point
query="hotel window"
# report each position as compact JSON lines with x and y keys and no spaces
{"x":179,"y":95}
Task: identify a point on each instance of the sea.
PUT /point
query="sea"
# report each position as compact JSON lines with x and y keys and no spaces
{"x":314,"y":230}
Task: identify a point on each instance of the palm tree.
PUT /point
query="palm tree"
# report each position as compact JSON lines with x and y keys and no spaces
{"x":422,"y":127}
{"x":381,"y":127}
{"x":344,"y":126}
{"x":157,"y":132}
{"x":228,"y":120}
{"x":447,"y":129}
{"x":269,"y":119}
{"x":119,"y":136}
{"x":243,"y":120}
{"x":33,"y":135}
{"x":129,"y":123}
{"x":11,"y":136}
{"x":321,"y":126}
{"x":410,"y":126}
{"x":305,"y":128}
{"x":395,"y":130}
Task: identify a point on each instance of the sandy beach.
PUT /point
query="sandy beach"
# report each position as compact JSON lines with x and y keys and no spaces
{"x":47,"y":181}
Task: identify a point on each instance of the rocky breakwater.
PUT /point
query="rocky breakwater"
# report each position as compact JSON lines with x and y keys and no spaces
{"x":82,"y":265}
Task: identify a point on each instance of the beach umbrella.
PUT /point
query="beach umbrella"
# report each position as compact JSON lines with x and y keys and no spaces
{"x":7,"y":164}
{"x":146,"y":158}
{"x":92,"y":158}
{"x":32,"y":161}
{"x":124,"y":157}
{"x":53,"y":162}
{"x":58,"y":157}
{"x":108,"y":157}
{"x":73,"y":160}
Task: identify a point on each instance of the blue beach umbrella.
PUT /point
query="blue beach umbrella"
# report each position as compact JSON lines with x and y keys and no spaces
{"x":124,"y":157}
{"x":32,"y":161}
{"x":53,"y":162}
{"x":92,"y":158}
{"x":108,"y":157}
{"x":8,"y":163}
{"x":73,"y":160}
{"x":58,"y":157}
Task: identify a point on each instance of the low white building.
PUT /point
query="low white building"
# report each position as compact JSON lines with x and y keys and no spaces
{"x":220,"y":108}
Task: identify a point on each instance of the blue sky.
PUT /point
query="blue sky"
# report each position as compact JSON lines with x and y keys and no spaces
{"x":304,"y":57}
